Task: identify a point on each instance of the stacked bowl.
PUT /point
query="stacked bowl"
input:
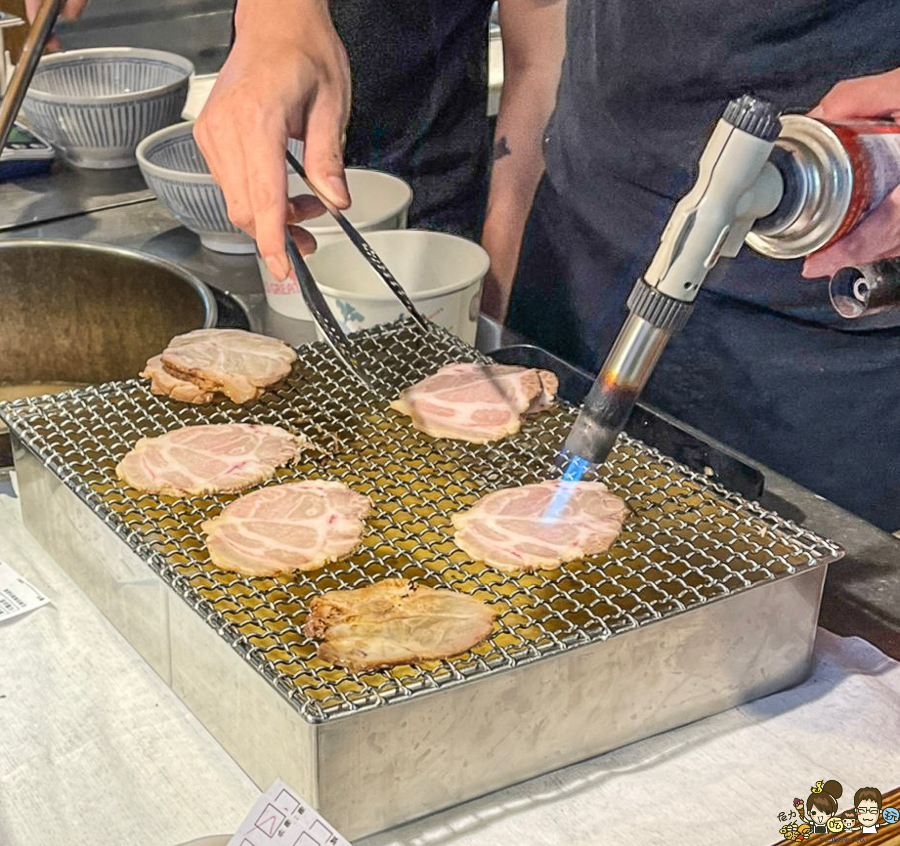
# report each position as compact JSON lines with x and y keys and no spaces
{"x":175,"y":170}
{"x":95,"y":105}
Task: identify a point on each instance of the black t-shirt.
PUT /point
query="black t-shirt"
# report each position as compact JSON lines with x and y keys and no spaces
{"x":764,"y":364}
{"x":419,"y":101}
{"x":644,"y":82}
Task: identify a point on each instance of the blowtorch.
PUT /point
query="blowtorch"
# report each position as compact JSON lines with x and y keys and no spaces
{"x":786,"y":186}
{"x":736,"y":185}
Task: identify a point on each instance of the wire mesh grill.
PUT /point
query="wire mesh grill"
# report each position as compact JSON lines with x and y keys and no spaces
{"x":685,"y":542}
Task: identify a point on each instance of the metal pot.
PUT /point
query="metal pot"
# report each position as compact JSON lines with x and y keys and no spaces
{"x":88,"y":313}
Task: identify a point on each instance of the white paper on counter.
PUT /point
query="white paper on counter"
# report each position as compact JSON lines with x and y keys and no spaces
{"x":281,"y":818}
{"x":17,"y":596}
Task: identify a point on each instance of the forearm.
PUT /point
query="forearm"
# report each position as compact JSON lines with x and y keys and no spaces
{"x":531,"y":76}
{"x":517,"y":167}
{"x":289,"y":20}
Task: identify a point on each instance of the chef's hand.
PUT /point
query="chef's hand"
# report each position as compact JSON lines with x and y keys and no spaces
{"x":286,"y":77}
{"x":70,"y":10}
{"x":878,"y":236}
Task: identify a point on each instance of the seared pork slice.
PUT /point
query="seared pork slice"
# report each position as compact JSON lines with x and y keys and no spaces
{"x":477,"y":403}
{"x":297,"y":526}
{"x":168,"y":385}
{"x":238,"y":364}
{"x":196,"y":460}
{"x":395,"y":621}
{"x":508,"y":529}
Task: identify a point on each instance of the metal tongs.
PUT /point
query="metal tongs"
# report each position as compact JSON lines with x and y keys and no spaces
{"x":31,"y":54}
{"x":321,"y":313}
{"x":334,"y":334}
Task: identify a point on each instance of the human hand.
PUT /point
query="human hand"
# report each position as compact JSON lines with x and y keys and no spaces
{"x":71,"y":9}
{"x":286,"y":77}
{"x":878,"y":235}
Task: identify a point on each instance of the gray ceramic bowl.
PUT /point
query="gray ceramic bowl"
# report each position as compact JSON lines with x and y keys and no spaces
{"x":95,"y":105}
{"x":175,"y":170}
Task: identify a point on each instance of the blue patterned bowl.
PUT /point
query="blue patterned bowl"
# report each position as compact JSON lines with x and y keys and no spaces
{"x":175,"y":170}
{"x":95,"y":105}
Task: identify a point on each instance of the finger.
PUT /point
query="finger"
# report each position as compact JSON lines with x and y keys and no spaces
{"x":31,"y":7}
{"x":322,"y":154}
{"x":304,"y":207}
{"x":224,"y":155}
{"x":72,"y":9}
{"x":304,"y":240}
{"x":863,"y":97}
{"x":267,"y":187}
{"x":878,"y":236}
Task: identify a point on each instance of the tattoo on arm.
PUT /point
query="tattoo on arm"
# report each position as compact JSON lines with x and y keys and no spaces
{"x":501,"y":149}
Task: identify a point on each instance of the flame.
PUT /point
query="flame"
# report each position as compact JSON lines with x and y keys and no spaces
{"x":576,"y":467}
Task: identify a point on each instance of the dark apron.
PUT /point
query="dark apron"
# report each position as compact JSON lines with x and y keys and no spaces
{"x":419,"y":102}
{"x":764,"y":364}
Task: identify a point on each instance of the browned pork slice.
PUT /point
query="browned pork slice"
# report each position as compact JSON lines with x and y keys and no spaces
{"x":209,"y":459}
{"x":477,"y":403}
{"x":168,"y":385}
{"x":395,"y":621}
{"x":297,"y":526}
{"x":238,"y":364}
{"x":510,"y":530}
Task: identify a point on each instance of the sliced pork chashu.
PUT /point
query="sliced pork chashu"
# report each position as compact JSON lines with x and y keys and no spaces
{"x":509,"y":529}
{"x":204,"y":459}
{"x":282,"y":528}
{"x":477,"y":403}
{"x":230,"y":362}
{"x":167,"y":385}
{"x":395,"y":621}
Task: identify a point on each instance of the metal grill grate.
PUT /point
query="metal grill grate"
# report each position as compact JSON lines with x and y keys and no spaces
{"x":686,"y":542}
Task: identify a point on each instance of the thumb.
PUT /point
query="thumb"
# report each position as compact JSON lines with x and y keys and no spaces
{"x":322,"y":154}
{"x":862,"y":97}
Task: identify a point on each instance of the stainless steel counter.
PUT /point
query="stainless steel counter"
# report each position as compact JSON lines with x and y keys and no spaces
{"x":862,"y":594}
{"x":68,"y":191}
{"x":197,"y":29}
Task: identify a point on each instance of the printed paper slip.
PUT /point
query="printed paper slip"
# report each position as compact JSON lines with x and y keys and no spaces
{"x":16,"y":595}
{"x":281,"y":818}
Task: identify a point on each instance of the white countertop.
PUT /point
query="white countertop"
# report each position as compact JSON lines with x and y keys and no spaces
{"x":96,"y":749}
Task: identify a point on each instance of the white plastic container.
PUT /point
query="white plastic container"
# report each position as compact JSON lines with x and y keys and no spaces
{"x":442,"y":273}
{"x":380,"y":201}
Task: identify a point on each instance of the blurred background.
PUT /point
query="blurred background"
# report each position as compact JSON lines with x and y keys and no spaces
{"x":200,"y":30}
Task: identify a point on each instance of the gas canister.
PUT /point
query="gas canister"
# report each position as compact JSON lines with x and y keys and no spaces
{"x":834,"y":175}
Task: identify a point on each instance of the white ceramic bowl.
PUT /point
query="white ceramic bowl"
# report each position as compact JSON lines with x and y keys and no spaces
{"x":380,"y":201}
{"x":175,"y":170}
{"x":442,"y":274}
{"x":95,"y":105}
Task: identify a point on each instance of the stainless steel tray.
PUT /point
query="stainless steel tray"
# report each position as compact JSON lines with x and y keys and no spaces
{"x":705,"y":601}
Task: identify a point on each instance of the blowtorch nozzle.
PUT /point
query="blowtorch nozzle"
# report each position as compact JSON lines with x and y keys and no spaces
{"x":600,"y":421}
{"x":624,"y":373}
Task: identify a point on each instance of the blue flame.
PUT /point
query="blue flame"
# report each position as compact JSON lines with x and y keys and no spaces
{"x":576,"y":467}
